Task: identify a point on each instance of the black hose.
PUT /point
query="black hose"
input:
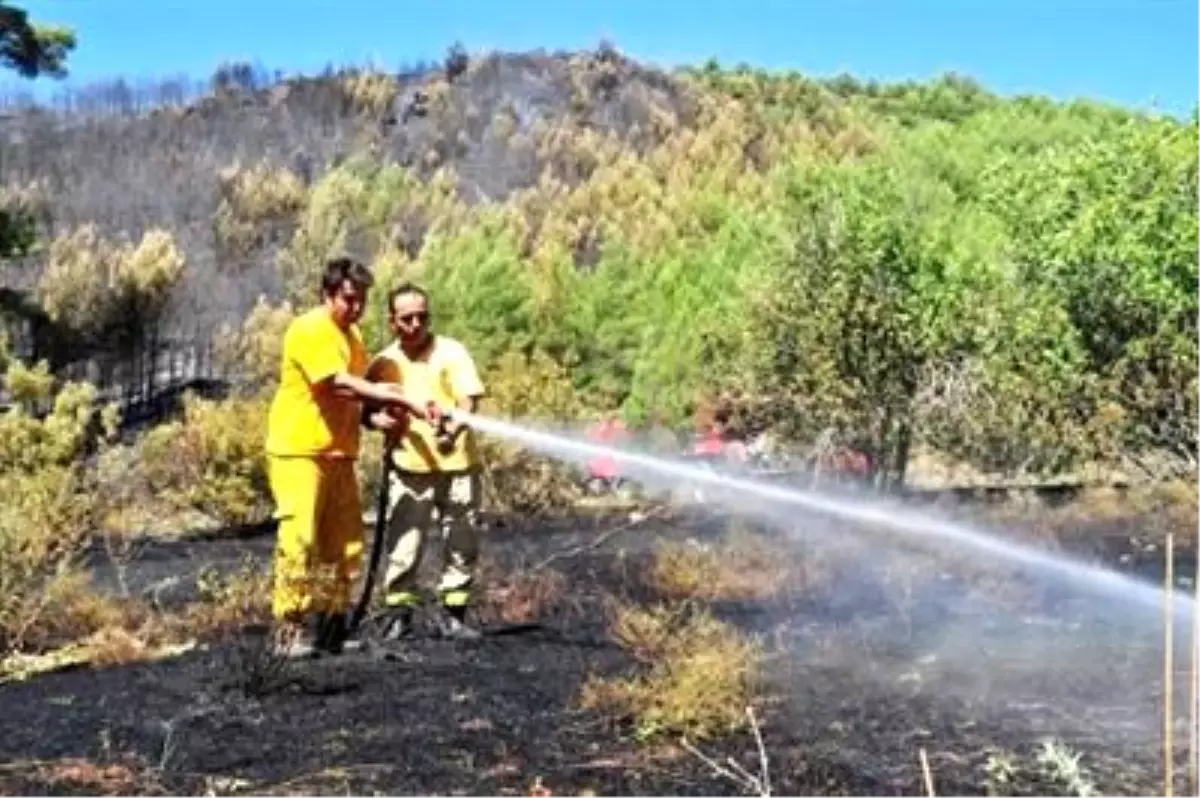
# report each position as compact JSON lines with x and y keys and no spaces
{"x":378,"y":543}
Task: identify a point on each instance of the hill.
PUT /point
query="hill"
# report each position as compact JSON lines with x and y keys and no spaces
{"x":1011,"y":281}
{"x":129,"y":164}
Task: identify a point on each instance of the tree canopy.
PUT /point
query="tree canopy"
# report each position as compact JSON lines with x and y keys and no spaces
{"x":30,"y":49}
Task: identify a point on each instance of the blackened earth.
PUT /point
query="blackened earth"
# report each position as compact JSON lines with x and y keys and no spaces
{"x":854,"y":691}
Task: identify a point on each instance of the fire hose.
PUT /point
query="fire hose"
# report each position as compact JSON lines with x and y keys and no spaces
{"x":378,"y":539}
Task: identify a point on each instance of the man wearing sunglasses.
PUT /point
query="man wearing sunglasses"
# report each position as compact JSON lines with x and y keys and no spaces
{"x":312,"y":446}
{"x":435,"y":470}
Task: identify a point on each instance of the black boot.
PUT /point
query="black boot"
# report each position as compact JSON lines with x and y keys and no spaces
{"x":454,"y":624}
{"x":398,"y":624}
{"x":330,"y":632}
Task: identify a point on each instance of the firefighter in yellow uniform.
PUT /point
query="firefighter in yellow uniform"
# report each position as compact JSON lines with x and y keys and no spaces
{"x":435,"y":473}
{"x":312,"y":445}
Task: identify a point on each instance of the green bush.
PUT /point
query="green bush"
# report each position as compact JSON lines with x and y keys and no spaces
{"x":211,"y":461}
{"x":52,"y":501}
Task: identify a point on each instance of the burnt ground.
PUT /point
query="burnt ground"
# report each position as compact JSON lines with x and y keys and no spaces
{"x":867,"y":667}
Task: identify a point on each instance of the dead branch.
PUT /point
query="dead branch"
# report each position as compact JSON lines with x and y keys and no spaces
{"x":598,"y":541}
{"x":734,"y":770}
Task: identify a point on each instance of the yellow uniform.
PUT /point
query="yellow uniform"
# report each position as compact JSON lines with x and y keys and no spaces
{"x":306,"y":420}
{"x":312,"y":444}
{"x":444,"y":373}
{"x":429,"y":483}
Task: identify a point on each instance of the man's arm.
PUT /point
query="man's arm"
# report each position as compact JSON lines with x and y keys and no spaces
{"x":326,"y":368}
{"x":377,"y":393}
{"x":374,"y":416}
{"x":468,"y":389}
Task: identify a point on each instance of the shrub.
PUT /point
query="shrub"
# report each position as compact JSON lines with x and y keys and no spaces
{"x":517,"y":480}
{"x":212,"y":460}
{"x":701,"y":675}
{"x":371,"y":92}
{"x":50,"y":502}
{"x":44,"y":525}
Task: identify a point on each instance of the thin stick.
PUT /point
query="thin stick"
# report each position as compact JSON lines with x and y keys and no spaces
{"x":598,"y":541}
{"x":755,"y":785}
{"x":926,"y":773}
{"x":1194,"y":706}
{"x":763,"y":765}
{"x":1168,"y":668}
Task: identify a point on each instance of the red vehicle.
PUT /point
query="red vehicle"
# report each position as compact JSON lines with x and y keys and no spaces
{"x":603,"y":472}
{"x":716,"y":444}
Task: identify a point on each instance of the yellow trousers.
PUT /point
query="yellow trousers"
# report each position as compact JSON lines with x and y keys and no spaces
{"x":319,"y":548}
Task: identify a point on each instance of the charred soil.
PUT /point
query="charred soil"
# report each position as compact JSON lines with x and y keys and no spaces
{"x":862,"y":671}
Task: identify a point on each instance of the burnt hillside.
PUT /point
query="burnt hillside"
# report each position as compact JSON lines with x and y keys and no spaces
{"x":130,"y":168}
{"x":968,"y":246}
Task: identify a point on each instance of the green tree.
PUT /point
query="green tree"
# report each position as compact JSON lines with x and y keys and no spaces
{"x":30,"y":49}
{"x":891,"y":279}
{"x":1110,"y":225}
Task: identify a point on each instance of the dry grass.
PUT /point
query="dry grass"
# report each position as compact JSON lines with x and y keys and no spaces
{"x":81,"y":626}
{"x":71,"y":609}
{"x":229,"y":603}
{"x":742,"y":566}
{"x":701,"y":673}
{"x":1151,"y":510}
{"x":74,"y":774}
{"x":522,"y":597}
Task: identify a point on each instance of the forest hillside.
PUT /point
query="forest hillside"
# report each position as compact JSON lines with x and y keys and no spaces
{"x":1007,"y":282}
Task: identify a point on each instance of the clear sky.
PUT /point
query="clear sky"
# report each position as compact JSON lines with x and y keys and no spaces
{"x":1140,"y":53}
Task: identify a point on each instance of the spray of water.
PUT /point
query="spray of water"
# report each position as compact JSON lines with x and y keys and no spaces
{"x":913,"y":611}
{"x":906,"y":620}
{"x":917,"y":528}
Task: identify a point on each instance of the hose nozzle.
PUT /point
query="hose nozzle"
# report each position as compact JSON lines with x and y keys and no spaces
{"x":440,"y":417}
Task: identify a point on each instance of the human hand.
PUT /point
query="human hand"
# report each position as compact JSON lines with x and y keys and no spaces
{"x":385,"y":420}
{"x":448,"y":436}
{"x":439,"y":417}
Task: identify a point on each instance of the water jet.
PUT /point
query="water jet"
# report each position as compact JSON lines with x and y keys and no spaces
{"x":918,"y":528}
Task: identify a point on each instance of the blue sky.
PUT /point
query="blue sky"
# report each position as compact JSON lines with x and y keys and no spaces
{"x":1140,"y":53}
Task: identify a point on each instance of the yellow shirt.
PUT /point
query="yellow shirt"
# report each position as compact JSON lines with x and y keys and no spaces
{"x":306,"y":419}
{"x":444,"y":373}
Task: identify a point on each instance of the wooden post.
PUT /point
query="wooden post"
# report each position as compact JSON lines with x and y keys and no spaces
{"x":1169,"y":668}
{"x":1194,"y":704}
{"x":926,"y":773}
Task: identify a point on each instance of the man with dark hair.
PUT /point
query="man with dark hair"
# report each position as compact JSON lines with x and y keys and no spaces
{"x":435,"y":472}
{"x":312,"y":445}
